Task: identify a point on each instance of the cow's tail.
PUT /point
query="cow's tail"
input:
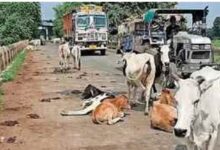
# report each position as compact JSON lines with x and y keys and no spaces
{"x":140,"y":72}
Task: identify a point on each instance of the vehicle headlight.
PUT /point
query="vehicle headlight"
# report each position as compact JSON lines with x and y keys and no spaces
{"x":207,"y":47}
{"x":102,"y":36}
{"x":81,"y":36}
{"x":195,"y":46}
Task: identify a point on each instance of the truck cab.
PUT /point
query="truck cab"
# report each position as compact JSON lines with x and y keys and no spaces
{"x":87,"y":27}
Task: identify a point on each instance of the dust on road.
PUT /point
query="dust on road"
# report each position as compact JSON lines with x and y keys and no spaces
{"x":39,"y":91}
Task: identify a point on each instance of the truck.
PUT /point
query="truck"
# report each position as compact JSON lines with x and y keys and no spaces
{"x":87,"y":26}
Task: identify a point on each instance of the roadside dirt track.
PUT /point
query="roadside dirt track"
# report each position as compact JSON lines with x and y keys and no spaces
{"x":36,"y":81}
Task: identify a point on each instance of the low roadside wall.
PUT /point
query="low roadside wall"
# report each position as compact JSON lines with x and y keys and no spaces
{"x":7,"y":53}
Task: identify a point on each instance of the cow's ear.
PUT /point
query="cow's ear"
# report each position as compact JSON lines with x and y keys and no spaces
{"x":195,"y":103}
{"x":200,"y":79}
{"x":175,"y":77}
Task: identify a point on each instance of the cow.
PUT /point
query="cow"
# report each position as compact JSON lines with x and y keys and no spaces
{"x":163,"y":113}
{"x":94,"y":102}
{"x":76,"y":55}
{"x":198,"y":109}
{"x":110,"y":110}
{"x":65,"y":52}
{"x":91,"y":92}
{"x":35,"y":43}
{"x":30,"y":48}
{"x":92,"y":97}
{"x":207,"y":72}
{"x":141,"y":70}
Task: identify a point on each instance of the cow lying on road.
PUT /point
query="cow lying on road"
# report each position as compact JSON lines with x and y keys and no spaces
{"x":91,"y":97}
{"x":110,"y":110}
{"x":198,"y":109}
{"x":163,"y":113}
{"x":94,"y":102}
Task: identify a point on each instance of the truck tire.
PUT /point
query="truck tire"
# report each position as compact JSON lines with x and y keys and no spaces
{"x":103,"y":52}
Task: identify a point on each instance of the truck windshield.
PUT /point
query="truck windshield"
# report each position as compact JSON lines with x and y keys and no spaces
{"x":83,"y":21}
{"x":201,"y":55}
{"x":100,"y":21}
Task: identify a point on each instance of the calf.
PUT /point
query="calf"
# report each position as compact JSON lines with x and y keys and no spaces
{"x":94,"y":102}
{"x":110,"y":110}
{"x":163,"y":113}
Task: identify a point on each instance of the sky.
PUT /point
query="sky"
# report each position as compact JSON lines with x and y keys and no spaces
{"x":214,"y":9}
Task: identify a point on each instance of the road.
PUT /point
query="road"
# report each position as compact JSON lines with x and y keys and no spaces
{"x":37,"y":82}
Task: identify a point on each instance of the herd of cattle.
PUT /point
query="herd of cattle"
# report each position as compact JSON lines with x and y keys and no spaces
{"x":192,"y":112}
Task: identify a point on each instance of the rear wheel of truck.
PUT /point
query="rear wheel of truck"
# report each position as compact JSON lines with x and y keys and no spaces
{"x":103,"y":52}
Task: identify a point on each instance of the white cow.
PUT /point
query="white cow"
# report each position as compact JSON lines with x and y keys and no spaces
{"x":139,"y":70}
{"x":35,"y":43}
{"x":207,"y":72}
{"x":76,"y":54}
{"x":65,"y":53}
{"x":198,"y":106}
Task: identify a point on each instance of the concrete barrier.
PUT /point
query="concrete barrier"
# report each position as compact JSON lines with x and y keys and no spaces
{"x":8,"y":53}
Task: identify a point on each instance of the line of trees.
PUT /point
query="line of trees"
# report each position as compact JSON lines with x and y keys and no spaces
{"x":214,"y":32}
{"x":117,"y":12}
{"x":19,"y":21}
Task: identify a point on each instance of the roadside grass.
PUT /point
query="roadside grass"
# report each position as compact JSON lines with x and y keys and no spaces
{"x":10,"y":73}
{"x":216,"y":43}
{"x":217,"y":58}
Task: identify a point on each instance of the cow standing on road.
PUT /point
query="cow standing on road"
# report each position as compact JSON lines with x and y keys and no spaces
{"x":141,"y":70}
{"x":65,"y":53}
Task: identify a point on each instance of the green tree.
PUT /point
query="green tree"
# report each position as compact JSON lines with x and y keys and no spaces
{"x":19,"y":21}
{"x":216,"y":27}
{"x":60,"y":10}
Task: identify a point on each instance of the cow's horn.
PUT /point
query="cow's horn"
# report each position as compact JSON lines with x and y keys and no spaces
{"x":175,"y":77}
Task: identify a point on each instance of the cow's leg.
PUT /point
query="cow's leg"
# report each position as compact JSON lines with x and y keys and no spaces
{"x":129,"y":91}
{"x":113,"y":121}
{"x":74,"y":61}
{"x":212,"y":141}
{"x":79,"y":59}
{"x":121,"y":114}
{"x":150,"y":82}
{"x":154,"y":88}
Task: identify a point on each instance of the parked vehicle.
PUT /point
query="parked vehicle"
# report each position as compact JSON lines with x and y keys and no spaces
{"x":87,"y":26}
{"x":190,"y":47}
{"x":131,"y":36}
